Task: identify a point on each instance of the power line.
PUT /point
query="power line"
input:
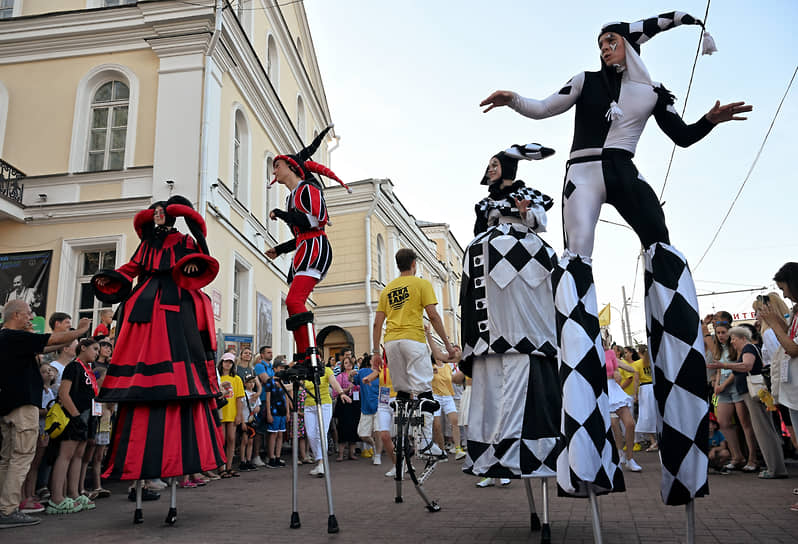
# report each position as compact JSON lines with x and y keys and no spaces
{"x":750,"y":170}
{"x":686,"y":97}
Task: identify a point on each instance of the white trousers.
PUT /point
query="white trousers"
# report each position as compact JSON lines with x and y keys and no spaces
{"x":410,"y":366}
{"x":312,"y":427}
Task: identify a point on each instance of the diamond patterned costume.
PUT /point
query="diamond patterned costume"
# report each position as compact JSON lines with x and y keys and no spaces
{"x":509,"y":340}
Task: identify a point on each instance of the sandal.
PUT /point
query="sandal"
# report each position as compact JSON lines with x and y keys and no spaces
{"x":653,"y":448}
{"x":750,"y":468}
{"x":225,"y":474}
{"x":339,"y":459}
{"x":734,"y":466}
{"x":233,"y":474}
{"x":794,"y":507}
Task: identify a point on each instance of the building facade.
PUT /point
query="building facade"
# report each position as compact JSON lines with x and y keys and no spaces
{"x":109,"y":105}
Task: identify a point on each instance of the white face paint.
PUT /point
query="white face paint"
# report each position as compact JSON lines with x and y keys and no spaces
{"x":613,"y":46}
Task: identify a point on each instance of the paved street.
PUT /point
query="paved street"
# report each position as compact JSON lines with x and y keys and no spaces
{"x":256,"y":508}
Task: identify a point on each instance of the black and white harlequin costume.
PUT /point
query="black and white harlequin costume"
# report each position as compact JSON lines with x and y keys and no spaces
{"x":509,"y":340}
{"x":612,"y":108}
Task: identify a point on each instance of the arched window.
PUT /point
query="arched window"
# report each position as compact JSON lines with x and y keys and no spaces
{"x":272,"y":62}
{"x":108,"y":130}
{"x":380,"y":259}
{"x":104,"y":125}
{"x":240,"y":157}
{"x":300,"y":117}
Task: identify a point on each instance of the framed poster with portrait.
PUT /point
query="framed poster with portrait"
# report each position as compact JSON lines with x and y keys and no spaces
{"x":264,"y":321}
{"x":24,"y":276}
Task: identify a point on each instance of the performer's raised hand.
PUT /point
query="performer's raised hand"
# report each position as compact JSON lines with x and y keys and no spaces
{"x":523,"y":206}
{"x":190,"y":268}
{"x":102,"y":281}
{"x":727,"y":112}
{"x":497,"y":99}
{"x":271,"y":253}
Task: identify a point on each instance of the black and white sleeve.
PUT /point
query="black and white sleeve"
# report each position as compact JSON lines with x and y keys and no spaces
{"x":557,"y":103}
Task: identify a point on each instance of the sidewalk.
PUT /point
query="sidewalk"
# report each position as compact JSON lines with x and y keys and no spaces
{"x":256,"y":508}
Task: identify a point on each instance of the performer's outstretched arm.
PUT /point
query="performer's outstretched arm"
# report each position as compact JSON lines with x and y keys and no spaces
{"x":685,"y":135}
{"x":555,"y":104}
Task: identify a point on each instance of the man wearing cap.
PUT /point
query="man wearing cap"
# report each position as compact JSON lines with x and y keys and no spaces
{"x":402,"y":304}
{"x":612,"y":107}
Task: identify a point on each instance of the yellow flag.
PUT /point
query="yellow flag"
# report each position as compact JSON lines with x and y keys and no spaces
{"x":604,"y":316}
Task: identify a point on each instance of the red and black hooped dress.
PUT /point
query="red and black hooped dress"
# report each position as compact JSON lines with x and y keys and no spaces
{"x":162,"y":375}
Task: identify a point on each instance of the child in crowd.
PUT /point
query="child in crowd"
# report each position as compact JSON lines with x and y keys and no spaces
{"x":251,"y":407}
{"x":102,"y":439}
{"x":719,"y":453}
{"x":76,"y":395}
{"x":29,"y":504}
{"x":233,"y":411}
{"x":275,"y":410}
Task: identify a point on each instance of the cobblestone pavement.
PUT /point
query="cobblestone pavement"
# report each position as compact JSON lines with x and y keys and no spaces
{"x":256,"y":508}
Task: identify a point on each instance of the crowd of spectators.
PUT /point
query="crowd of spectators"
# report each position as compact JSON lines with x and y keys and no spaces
{"x":751,"y":429}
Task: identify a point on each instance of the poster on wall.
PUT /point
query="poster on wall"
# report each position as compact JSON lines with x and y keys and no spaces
{"x":24,"y":276}
{"x":264,"y":321}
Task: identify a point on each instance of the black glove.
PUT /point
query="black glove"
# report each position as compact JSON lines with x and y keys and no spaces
{"x":77,"y":424}
{"x":292,"y":218}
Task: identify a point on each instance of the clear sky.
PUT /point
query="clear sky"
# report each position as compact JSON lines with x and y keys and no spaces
{"x":404,"y":79}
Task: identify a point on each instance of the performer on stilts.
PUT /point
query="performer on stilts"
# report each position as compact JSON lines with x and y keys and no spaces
{"x":508,"y":330}
{"x":612,"y":107}
{"x":163,"y":375}
{"x":306,"y":216}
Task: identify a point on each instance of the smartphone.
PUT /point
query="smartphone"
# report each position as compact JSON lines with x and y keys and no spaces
{"x":765,"y":299}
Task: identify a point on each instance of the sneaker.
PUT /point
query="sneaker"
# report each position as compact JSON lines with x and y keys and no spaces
{"x":17,"y":519}
{"x":377,"y":459}
{"x":459,"y":453}
{"x":244,"y":467}
{"x":258,"y":462}
{"x":431,"y":449}
{"x":318,"y":470}
{"x":157,"y":484}
{"x":280,"y":462}
{"x":85,"y":503}
{"x":392,"y":473}
{"x":637,"y":447}
{"x":505,"y":481}
{"x":30,"y":507}
{"x":66,"y":506}
{"x":368,"y":453}
{"x":272,"y":464}
{"x":43,"y":493}
{"x":486,"y":482}
{"x":632,"y":465}
{"x":186,"y":484}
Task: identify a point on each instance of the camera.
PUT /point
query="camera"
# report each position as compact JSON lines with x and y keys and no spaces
{"x":300,"y":371}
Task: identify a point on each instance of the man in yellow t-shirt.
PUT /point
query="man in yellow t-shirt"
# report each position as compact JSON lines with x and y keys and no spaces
{"x":402,"y":304}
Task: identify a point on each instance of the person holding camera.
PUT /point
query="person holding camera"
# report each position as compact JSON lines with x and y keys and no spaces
{"x":21,"y":389}
{"x":252,"y":391}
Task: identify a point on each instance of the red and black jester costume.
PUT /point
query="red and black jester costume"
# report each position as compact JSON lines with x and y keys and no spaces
{"x":162,"y":375}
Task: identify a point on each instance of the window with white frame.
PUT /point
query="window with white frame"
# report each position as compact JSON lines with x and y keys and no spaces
{"x":6,"y":9}
{"x":300,"y":117}
{"x":237,"y":273}
{"x":108,"y":130}
{"x":242,"y":275}
{"x":112,"y":3}
{"x":90,"y":262}
{"x":272,"y":62}
{"x":239,"y":167}
{"x":270,"y":192}
{"x":380,"y":259}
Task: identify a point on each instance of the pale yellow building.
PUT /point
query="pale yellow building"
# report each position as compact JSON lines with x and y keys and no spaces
{"x":110,"y":105}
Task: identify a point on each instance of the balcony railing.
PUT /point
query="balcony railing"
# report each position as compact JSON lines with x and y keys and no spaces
{"x":10,"y":188}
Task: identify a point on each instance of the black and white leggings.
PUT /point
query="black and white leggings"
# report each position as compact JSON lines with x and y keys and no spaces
{"x":613,"y":178}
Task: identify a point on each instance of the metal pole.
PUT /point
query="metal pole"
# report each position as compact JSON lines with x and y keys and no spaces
{"x":690,"y":508}
{"x":628,"y":331}
{"x":594,"y":514}
{"x":295,"y":523}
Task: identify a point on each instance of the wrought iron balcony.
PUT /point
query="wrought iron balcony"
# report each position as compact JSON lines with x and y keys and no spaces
{"x":10,"y":188}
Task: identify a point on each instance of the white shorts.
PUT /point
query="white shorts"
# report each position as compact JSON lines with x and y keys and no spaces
{"x":384,"y":419}
{"x":366,"y":426}
{"x":410,"y":365}
{"x":447,"y":405}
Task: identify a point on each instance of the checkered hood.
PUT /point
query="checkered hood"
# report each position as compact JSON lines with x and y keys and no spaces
{"x":639,"y":32}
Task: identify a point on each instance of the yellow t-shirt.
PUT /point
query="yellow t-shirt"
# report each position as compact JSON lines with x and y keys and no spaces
{"x":233,"y":389}
{"x":645,"y":371}
{"x":442,"y":381}
{"x":403,"y":301}
{"x":637,"y":365}
{"x":324,"y":388}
